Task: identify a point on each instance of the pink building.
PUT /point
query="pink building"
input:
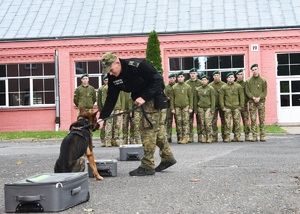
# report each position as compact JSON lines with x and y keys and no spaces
{"x":29,"y":100}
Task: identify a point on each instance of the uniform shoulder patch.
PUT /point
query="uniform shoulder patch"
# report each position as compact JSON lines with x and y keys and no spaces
{"x":133,"y":63}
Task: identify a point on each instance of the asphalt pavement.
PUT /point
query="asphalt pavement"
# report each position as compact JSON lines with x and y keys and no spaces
{"x":245,"y":177}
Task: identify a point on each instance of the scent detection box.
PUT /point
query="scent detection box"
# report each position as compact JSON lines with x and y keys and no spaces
{"x":105,"y":168}
{"x":131,"y":152}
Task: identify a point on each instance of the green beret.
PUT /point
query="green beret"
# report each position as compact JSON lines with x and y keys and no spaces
{"x":105,"y":76}
{"x":216,"y":72}
{"x":229,"y":74}
{"x":193,"y":70}
{"x":239,"y":71}
{"x":203,"y":76}
{"x":179,"y":73}
{"x":84,"y":75}
{"x":254,"y":65}
{"x":172,"y":75}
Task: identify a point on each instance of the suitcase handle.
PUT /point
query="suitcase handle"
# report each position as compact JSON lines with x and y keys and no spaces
{"x":76,"y":190}
{"x":29,"y":198}
{"x":133,"y":156}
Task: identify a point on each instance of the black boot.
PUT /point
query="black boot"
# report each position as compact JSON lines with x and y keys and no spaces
{"x":164,"y":165}
{"x":140,"y":171}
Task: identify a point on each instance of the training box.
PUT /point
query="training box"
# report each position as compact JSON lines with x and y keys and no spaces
{"x":48,"y":192}
{"x":105,"y":168}
{"x":131,"y":152}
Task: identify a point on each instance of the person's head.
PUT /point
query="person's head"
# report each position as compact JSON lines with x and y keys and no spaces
{"x":172,"y":78}
{"x":230,"y":78}
{"x":239,"y":74}
{"x":204,"y":80}
{"x":180,"y":77}
{"x":111,"y":64}
{"x":105,"y":79}
{"x":193,"y":74}
{"x":217,"y":76}
{"x":255,"y":70}
{"x":84,"y":79}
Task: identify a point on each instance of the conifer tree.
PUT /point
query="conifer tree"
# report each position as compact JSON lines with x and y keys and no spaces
{"x":153,"y":55}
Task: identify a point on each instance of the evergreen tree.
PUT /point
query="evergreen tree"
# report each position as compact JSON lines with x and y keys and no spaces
{"x":153,"y":55}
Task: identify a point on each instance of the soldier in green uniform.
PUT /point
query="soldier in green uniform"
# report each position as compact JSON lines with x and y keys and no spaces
{"x":170,"y":116}
{"x":217,"y":84}
{"x":205,"y":106}
{"x":126,"y":122}
{"x":194,"y":82}
{"x":135,"y":117}
{"x":182,"y":106}
{"x":85,"y":95}
{"x":244,"y":112}
{"x":232,"y":100}
{"x":256,"y":90}
{"x":163,"y":118}
{"x":146,"y":87}
{"x":100,"y":106}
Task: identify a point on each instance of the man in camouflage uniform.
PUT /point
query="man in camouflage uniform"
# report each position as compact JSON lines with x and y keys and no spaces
{"x":163,"y":117}
{"x":244,"y":112}
{"x":145,"y":84}
{"x":85,"y":95}
{"x":126,"y":116}
{"x":100,"y":106}
{"x":256,"y":90}
{"x":217,"y":84}
{"x":136,"y":117}
{"x":205,"y":106}
{"x":182,"y":106}
{"x":170,"y":116}
{"x":232,"y":100}
{"x":194,"y":82}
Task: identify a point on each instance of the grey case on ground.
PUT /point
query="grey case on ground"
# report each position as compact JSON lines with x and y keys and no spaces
{"x":131,"y":152}
{"x":105,"y":168}
{"x":48,"y":192}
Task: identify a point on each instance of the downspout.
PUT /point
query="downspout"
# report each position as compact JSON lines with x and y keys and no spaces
{"x":56,"y":94}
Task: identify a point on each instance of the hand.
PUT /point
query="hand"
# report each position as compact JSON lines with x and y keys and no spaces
{"x":173,"y":111}
{"x":190,"y":111}
{"x":139,"y":101}
{"x":101,"y":123}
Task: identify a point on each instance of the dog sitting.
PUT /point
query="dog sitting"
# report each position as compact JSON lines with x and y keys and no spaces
{"x":77,"y":144}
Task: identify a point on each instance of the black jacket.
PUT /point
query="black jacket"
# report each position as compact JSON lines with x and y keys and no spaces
{"x":137,"y":77}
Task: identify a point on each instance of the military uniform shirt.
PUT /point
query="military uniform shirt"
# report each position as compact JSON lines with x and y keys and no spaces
{"x":217,"y":90}
{"x":232,"y":96}
{"x":256,"y":87}
{"x":205,"y":97}
{"x":181,"y":96}
{"x":85,"y":96}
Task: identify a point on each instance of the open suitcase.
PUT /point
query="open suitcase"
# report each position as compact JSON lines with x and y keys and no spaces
{"x":48,"y":192}
{"x":105,"y":168}
{"x":131,"y":152}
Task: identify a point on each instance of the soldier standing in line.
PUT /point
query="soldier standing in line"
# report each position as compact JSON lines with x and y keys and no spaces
{"x":232,"y":100}
{"x":126,"y":123}
{"x":256,"y":90}
{"x":135,"y":117}
{"x":205,"y":106}
{"x":182,"y":106}
{"x":85,"y":95}
{"x":194,"y":82}
{"x":244,"y":112}
{"x":163,"y":117}
{"x":170,"y":116}
{"x":100,"y":106}
{"x":217,"y":84}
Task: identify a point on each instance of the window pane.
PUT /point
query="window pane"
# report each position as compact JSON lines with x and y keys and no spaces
{"x":38,"y":85}
{"x":196,"y":62}
{"x":49,"y":98}
{"x":2,"y":86}
{"x":2,"y":99}
{"x":296,"y":100}
{"x":284,"y":87}
{"x":283,"y":70}
{"x":37,"y":98}
{"x":13,"y":85}
{"x":14,"y":99}
{"x":295,"y":69}
{"x":285,"y":100}
{"x":295,"y":58}
{"x":12,"y":70}
{"x":2,"y":93}
{"x":2,"y":71}
{"x":24,"y":84}
{"x":212,"y":62}
{"x":25,"y":70}
{"x":295,"y":86}
{"x":94,"y":82}
{"x":238,"y":61}
{"x":49,"y":84}
{"x":175,"y":64}
{"x":25,"y":98}
{"x":93,"y":67}
{"x":49,"y":69}
{"x":225,"y":61}
{"x":37,"y":69}
{"x":187,"y":63}
{"x":80,"y":67}
{"x":283,"y":58}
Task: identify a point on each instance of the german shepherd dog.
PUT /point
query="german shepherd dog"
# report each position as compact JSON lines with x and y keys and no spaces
{"x":77,"y":144}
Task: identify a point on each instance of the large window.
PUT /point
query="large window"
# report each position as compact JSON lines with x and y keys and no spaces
{"x":27,"y":84}
{"x":93,"y":68}
{"x":288,"y":64}
{"x":207,"y":64}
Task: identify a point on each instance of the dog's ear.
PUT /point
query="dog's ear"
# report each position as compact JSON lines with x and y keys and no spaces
{"x":82,"y":110}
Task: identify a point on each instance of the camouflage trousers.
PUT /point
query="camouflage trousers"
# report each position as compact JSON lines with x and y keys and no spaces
{"x":125,"y":127}
{"x":151,"y":137}
{"x":102,"y":134}
{"x":135,"y":126}
{"x":113,"y":127}
{"x":235,"y":115}
{"x":215,"y":123}
{"x":253,"y":109}
{"x":182,"y":122}
{"x":169,"y":123}
{"x":191,"y":125}
{"x":205,"y":117}
{"x":162,"y":121}
{"x":245,"y":119}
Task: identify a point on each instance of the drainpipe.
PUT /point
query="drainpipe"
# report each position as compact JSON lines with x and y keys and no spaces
{"x":57,"y":116}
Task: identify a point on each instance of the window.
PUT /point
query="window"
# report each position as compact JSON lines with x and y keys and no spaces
{"x":288,"y":64}
{"x":27,"y":85}
{"x":207,"y":64}
{"x":92,"y":68}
